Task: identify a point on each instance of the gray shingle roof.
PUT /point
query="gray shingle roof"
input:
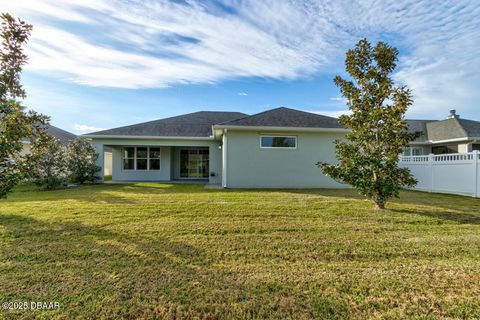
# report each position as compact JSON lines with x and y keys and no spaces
{"x":197,"y":124}
{"x":286,"y":117}
{"x":61,"y":135}
{"x":471,"y":127}
{"x":419,"y":126}
{"x":438,"y":130}
{"x":445,"y":130}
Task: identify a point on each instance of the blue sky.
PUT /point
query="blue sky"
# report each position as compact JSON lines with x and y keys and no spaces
{"x":104,"y":63}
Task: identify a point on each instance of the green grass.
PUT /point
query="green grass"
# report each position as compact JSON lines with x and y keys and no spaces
{"x":179,"y":251}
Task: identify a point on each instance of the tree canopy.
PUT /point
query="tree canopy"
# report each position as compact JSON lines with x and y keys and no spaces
{"x":369,"y":155}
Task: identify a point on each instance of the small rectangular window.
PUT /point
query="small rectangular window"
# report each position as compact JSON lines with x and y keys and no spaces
{"x":413,"y":151}
{"x":280,"y":142}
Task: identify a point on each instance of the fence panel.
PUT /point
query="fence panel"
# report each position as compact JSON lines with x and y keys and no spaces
{"x":448,"y":173}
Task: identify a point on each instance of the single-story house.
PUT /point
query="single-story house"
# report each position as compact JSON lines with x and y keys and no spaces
{"x":277,"y":148}
{"x":451,"y":135}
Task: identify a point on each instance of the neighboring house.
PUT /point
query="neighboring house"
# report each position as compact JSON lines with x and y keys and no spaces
{"x":277,"y":148}
{"x":273,"y":149}
{"x":61,"y":135}
{"x":452,"y":135}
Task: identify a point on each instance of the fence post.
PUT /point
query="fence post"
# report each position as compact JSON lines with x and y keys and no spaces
{"x":475,"y":163}
{"x":430,"y":165}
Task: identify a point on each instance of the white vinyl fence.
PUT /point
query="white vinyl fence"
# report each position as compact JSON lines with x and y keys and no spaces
{"x":456,"y":173}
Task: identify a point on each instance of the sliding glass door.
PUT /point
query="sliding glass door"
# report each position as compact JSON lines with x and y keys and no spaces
{"x":194,"y":163}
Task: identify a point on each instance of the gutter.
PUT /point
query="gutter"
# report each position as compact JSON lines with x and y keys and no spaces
{"x":102,"y":136}
{"x":266,"y":128}
{"x":452,"y":140}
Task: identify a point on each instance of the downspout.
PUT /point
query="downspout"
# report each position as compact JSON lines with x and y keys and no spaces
{"x":224,"y":158}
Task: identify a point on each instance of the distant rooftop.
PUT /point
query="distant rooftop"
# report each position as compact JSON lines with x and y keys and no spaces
{"x":60,"y":134}
{"x":453,"y":127}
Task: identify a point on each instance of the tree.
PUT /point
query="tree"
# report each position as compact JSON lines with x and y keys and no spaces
{"x":368,"y":158}
{"x":16,"y":125}
{"x":82,"y":161}
{"x":47,"y":165}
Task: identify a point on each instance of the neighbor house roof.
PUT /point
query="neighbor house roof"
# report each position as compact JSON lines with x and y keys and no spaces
{"x":419,"y":126}
{"x":197,"y":124}
{"x":61,"y":135}
{"x":448,"y":129}
{"x":285,"y":117}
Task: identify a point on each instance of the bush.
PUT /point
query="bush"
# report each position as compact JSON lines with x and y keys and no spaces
{"x":47,"y":164}
{"x":81,"y":161}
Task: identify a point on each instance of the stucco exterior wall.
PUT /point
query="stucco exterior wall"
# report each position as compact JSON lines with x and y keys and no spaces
{"x":167,"y":159}
{"x":249,"y":166}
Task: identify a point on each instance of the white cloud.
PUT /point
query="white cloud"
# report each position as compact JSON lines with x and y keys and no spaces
{"x":338,"y":99}
{"x":243,"y":94}
{"x":82,"y":128}
{"x":330,"y":113}
{"x":151,"y":44}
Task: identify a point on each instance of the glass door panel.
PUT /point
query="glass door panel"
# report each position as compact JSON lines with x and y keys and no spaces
{"x":194,"y":163}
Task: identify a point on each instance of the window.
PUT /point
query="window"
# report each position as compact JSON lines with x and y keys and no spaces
{"x":129,"y":158}
{"x":141,"y":158}
{"x":280,"y":142}
{"x":445,"y":149}
{"x":154,"y":158}
{"x":413,"y":151}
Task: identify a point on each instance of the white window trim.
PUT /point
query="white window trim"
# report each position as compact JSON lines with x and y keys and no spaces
{"x":135,"y":158}
{"x":279,"y":148}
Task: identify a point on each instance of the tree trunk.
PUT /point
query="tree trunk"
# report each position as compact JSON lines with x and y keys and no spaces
{"x":380,"y":205}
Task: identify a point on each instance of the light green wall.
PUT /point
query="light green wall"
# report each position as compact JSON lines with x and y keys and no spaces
{"x":167,"y":158}
{"x":249,"y":166}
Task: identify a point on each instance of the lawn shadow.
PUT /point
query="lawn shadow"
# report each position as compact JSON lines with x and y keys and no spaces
{"x":455,"y":208}
{"x":458,"y":217}
{"x":80,"y":266}
{"x":99,"y":193}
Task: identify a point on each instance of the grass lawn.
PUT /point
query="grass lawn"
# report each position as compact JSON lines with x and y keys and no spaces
{"x":180,"y":251}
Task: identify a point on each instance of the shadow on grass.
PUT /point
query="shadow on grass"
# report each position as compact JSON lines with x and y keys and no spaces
{"x":96,"y":273}
{"x":454,"y":208}
{"x":458,"y":217}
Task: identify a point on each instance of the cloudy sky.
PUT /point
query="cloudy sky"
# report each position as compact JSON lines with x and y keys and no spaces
{"x":105,"y":63}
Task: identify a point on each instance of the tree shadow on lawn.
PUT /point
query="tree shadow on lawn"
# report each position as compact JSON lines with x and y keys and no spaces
{"x":100,"y":193}
{"x":455,"y":208}
{"x":95,"y":272}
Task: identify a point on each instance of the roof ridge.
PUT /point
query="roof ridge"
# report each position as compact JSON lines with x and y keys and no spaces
{"x":461,"y":126}
{"x":251,"y":115}
{"x":277,"y":108}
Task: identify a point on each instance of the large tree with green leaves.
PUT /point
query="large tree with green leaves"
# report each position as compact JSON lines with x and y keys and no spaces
{"x":368,"y":157}
{"x":16,"y":124}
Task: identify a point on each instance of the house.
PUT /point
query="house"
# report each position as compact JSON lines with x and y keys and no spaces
{"x":277,"y":148}
{"x":61,"y":135}
{"x":451,"y":135}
